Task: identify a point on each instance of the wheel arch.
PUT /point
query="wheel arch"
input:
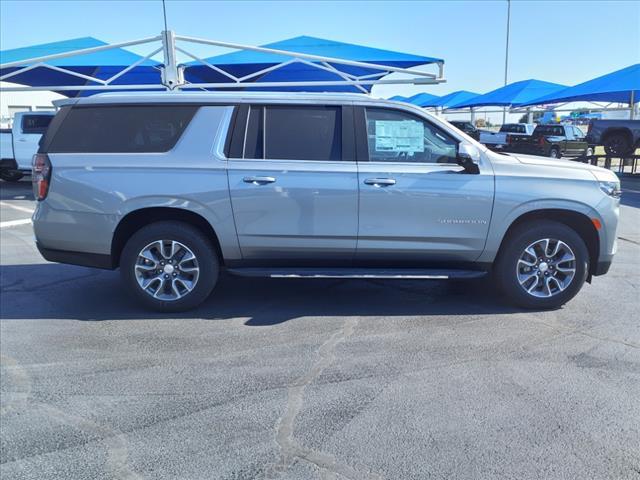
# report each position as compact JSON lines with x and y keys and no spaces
{"x":615,"y":131}
{"x":577,"y":221}
{"x":136,"y":219}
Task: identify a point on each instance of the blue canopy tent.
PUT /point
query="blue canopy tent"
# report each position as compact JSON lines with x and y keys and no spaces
{"x":511,"y":95}
{"x":454,"y":97}
{"x":422,"y":99}
{"x":80,"y":69}
{"x":398,"y":98}
{"x":621,"y":86}
{"x":263,"y":67}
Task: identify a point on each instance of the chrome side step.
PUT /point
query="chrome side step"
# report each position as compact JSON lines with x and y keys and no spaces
{"x":384,"y":273}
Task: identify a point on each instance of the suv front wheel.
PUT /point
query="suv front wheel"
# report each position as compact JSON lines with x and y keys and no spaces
{"x":169,"y":266}
{"x":542,"y":265}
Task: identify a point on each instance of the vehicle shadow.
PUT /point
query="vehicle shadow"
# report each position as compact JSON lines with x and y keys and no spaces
{"x":16,"y":191}
{"x":55,"y":291}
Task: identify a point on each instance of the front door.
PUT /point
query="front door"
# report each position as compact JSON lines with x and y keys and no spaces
{"x":416,"y":207}
{"x":294,"y":187}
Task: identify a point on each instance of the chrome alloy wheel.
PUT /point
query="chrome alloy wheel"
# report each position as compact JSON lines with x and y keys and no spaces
{"x":546,"y":267}
{"x":166,"y":270}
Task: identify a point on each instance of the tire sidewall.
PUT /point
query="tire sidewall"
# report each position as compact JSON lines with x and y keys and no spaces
{"x":557,"y":153}
{"x":188,"y":236}
{"x":616,"y":145}
{"x":515,"y":244}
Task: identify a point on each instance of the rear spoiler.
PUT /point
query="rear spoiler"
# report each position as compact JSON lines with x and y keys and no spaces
{"x":64,"y":101}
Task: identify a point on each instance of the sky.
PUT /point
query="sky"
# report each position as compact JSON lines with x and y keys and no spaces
{"x":566,"y":42}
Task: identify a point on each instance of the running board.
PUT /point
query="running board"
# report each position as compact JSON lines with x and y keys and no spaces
{"x":385,"y":273}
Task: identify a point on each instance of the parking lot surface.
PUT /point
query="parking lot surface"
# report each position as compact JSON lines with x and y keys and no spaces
{"x":314,"y":379}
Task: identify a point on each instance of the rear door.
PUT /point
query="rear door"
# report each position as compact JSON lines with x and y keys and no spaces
{"x":294,"y":184}
{"x":416,"y":205}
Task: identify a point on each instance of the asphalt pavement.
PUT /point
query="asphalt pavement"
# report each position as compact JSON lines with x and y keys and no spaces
{"x":314,"y":379}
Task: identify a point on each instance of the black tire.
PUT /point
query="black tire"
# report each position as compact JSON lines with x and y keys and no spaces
{"x":588,"y":152}
{"x":513,"y":246}
{"x":11,"y":175}
{"x":617,"y":144}
{"x":555,"y":152}
{"x":190,"y":237}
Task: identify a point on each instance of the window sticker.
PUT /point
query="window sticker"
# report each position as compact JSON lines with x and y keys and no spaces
{"x":399,"y":136}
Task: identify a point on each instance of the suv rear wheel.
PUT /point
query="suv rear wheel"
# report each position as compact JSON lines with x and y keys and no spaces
{"x":542,"y":265}
{"x":617,"y":144}
{"x":554,"y":152}
{"x":169,"y":266}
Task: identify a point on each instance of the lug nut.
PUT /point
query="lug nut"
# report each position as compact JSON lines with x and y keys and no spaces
{"x":166,"y":276}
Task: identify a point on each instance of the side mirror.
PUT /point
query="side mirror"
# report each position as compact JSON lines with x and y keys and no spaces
{"x":469,"y":158}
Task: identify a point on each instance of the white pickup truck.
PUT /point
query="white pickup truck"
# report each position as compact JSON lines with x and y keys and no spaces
{"x":20,"y":143}
{"x":499,"y":139}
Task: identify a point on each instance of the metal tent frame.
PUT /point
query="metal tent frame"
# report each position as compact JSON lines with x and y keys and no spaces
{"x":172,"y":73}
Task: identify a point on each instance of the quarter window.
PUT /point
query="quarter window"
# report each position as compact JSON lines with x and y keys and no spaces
{"x":122,"y":129}
{"x":294,"y":133}
{"x":395,"y":136}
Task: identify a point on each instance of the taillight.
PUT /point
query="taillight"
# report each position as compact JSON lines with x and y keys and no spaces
{"x":541,"y":140}
{"x":40,"y":175}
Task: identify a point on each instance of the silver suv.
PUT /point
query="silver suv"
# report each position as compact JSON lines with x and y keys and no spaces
{"x":174,"y":187}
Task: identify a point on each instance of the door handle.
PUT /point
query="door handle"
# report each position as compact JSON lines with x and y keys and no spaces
{"x":380,"y":182}
{"x":258,"y":180}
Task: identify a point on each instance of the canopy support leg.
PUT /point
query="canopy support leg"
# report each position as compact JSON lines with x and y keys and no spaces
{"x":632,"y":104}
{"x":172,"y":74}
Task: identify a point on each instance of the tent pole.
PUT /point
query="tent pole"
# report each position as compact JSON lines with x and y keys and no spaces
{"x":473,"y":115}
{"x":172,"y":75}
{"x":632,"y":104}
{"x":529,"y":115}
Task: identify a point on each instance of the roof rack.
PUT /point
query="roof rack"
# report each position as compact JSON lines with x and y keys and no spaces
{"x":172,"y":73}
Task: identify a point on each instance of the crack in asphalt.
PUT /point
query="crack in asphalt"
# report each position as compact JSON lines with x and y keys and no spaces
{"x":289,"y":445}
{"x":115,"y":441}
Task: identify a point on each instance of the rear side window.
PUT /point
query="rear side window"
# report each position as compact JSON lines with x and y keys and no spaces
{"x":122,"y":129}
{"x":510,"y":128}
{"x":549,"y":130}
{"x":35,"y":124}
{"x":297,"y":132}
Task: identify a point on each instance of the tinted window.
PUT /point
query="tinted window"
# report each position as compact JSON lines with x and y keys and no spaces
{"x":556,"y":130}
{"x":120,"y":129}
{"x":35,"y":123}
{"x":395,"y":136}
{"x":512,"y":128}
{"x":303,"y":133}
{"x":254,"y":144}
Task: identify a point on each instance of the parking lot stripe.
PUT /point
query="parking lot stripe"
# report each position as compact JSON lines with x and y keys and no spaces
{"x":15,"y":223}
{"x":17,"y":207}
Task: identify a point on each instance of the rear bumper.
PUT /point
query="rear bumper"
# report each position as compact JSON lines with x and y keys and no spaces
{"x":94,"y":260}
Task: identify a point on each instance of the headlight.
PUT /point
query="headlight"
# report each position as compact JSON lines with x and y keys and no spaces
{"x":611,"y":188}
